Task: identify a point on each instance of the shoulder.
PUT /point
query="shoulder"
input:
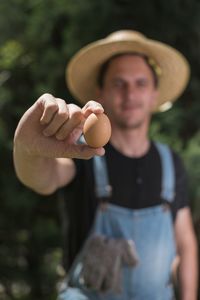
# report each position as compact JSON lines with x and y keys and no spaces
{"x":181,"y":200}
{"x":179,"y":165}
{"x":181,"y":180}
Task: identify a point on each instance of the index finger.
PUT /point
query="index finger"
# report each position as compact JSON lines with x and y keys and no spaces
{"x":92,"y":107}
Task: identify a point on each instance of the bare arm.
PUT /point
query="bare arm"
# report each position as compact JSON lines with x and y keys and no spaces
{"x":46,"y":141}
{"x":187,"y":250}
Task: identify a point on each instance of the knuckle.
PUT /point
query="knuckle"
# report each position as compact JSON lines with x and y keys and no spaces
{"x":52,"y":107}
{"x":62,"y":101}
{"x":76,"y":114}
{"x":60,"y":136}
{"x":90,"y":103}
{"x":45,"y":96}
{"x":93,"y":102}
{"x":63,"y":115}
{"x":73,"y":107}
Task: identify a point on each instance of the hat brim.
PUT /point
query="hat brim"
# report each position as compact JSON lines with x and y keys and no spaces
{"x":82,"y":71}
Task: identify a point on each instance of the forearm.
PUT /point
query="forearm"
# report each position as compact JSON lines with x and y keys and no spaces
{"x":188,"y":272}
{"x":37,"y":173}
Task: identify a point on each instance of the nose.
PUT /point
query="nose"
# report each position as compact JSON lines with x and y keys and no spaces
{"x":131,"y":92}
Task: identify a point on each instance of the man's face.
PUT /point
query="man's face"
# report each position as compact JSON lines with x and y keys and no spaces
{"x":128,"y":93}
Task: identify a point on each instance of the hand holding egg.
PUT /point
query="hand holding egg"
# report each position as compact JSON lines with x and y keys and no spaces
{"x":97,"y":130}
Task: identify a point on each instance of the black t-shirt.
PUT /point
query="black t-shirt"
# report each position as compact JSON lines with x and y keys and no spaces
{"x":136,"y":184}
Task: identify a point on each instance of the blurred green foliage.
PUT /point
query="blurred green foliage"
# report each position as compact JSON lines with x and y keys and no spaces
{"x":37,"y":39}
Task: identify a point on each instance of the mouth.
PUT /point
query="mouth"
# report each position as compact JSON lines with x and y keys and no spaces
{"x":131,"y":107}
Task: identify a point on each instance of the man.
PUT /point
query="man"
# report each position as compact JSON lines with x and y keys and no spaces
{"x":130,"y":77}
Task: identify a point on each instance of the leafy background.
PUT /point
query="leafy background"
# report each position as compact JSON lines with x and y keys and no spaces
{"x":37,"y":39}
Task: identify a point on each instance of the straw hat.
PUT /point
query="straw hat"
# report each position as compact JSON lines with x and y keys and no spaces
{"x":82,"y":70}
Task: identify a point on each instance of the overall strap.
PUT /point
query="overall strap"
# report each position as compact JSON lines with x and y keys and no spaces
{"x":168,"y":172}
{"x":103,"y":188}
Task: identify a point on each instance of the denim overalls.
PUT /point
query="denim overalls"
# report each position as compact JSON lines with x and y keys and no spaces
{"x":151,"y":229}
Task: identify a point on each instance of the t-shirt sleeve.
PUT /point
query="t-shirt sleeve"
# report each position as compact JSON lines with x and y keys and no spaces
{"x":181,"y":188}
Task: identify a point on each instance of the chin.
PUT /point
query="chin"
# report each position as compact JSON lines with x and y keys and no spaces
{"x":130,"y":125}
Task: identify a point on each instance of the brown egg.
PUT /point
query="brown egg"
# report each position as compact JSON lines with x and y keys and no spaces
{"x":97,"y":130}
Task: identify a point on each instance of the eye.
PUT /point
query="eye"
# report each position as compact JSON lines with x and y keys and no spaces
{"x":142,"y":82}
{"x":118,"y":83}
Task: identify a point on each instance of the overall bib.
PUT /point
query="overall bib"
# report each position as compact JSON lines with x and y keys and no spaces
{"x":151,"y":229}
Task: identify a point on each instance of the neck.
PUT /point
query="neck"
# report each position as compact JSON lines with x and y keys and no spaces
{"x":132,"y":143}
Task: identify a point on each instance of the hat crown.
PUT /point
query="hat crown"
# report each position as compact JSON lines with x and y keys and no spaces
{"x":129,"y":35}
